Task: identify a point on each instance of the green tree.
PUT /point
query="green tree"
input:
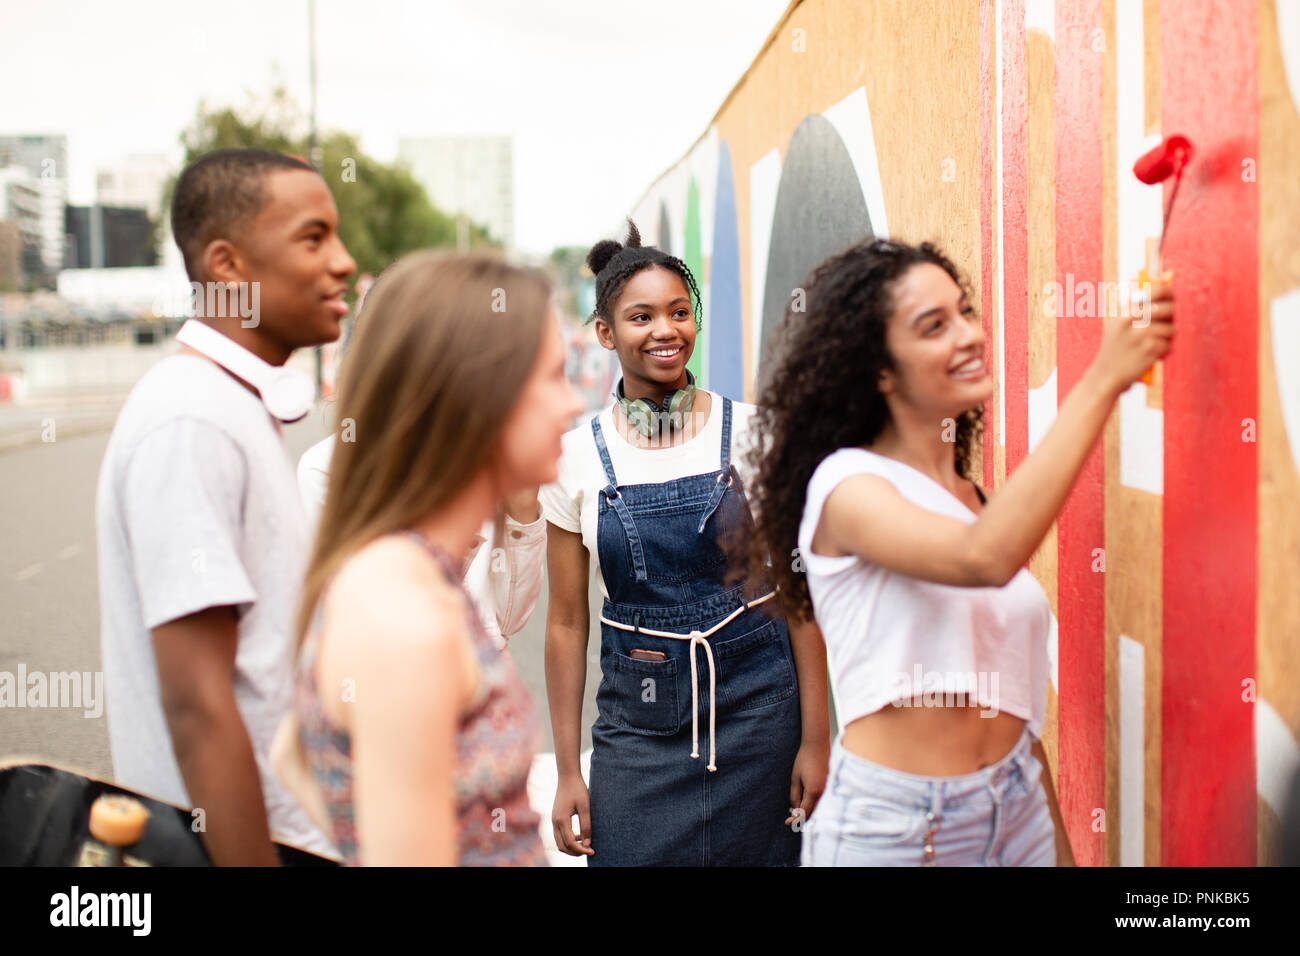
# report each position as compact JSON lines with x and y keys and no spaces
{"x":383,"y":212}
{"x":568,"y":267}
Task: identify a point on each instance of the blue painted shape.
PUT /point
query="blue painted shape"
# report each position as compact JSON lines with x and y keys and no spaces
{"x":723,"y":326}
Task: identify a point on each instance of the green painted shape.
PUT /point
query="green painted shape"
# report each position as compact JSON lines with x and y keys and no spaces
{"x":694,"y":259}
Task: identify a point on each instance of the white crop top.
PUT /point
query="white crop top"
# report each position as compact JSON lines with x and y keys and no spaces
{"x":890,"y":637}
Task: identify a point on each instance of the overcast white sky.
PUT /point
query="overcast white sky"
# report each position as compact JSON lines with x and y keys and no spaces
{"x":600,"y":95}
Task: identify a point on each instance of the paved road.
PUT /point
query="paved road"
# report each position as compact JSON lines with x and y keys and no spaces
{"x":49,"y":605}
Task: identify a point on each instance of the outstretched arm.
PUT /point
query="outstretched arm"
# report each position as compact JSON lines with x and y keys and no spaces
{"x":865,"y":515}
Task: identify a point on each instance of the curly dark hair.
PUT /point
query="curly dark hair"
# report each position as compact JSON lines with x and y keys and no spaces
{"x":613,"y":263}
{"x":813,"y":402}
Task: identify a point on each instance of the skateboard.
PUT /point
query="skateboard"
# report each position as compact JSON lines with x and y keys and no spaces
{"x":45,"y":814}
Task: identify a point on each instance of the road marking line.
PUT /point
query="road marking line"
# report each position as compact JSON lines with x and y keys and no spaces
{"x":71,"y":551}
{"x":28,"y":572}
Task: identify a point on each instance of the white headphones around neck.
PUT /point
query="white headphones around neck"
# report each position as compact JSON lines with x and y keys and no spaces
{"x":287,"y":393}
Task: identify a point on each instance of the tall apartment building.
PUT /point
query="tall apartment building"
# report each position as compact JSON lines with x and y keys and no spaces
{"x":135,"y":183}
{"x":473,"y":175}
{"x":45,"y":158}
{"x":20,"y":211}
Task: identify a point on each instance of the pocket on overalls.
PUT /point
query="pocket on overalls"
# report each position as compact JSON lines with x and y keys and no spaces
{"x":754,"y":669}
{"x":645,"y":695}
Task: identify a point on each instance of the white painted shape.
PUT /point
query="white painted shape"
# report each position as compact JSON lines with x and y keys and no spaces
{"x":542,"y":783}
{"x":1277,"y":756}
{"x":764,"y":180}
{"x":1284,"y":319}
{"x":1139,"y":205}
{"x":1041,"y":15}
{"x":646,"y":216}
{"x":1042,"y":410}
{"x":669,"y":192}
{"x":1000,"y":284}
{"x":703,"y":165}
{"x":1288,"y":34}
{"x":1141,"y":442}
{"x":1132,"y":752}
{"x":675,"y":198}
{"x":851,"y":118}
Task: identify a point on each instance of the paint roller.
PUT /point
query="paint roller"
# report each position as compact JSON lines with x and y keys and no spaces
{"x":1153,"y":167}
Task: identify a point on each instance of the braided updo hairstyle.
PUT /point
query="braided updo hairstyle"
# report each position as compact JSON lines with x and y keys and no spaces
{"x":613,"y":264}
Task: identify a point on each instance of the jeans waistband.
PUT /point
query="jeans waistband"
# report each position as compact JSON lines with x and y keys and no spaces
{"x":859,"y":775}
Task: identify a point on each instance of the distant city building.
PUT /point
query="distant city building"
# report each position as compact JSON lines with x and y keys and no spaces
{"x":11,"y":249}
{"x":20,"y":208}
{"x":473,"y":175}
{"x":45,"y":158}
{"x":42,"y":155}
{"x":137,"y":183}
{"x":108,"y":237}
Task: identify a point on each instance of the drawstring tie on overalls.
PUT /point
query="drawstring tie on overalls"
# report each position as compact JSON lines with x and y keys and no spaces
{"x":697,"y":639}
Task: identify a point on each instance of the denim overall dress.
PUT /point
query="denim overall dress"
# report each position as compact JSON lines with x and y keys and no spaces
{"x":652,"y":801}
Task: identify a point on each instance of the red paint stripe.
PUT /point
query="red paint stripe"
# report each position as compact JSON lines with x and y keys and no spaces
{"x":1209,"y":58}
{"x":1015,"y":249}
{"x":986,"y":221}
{"x":1081,"y":527}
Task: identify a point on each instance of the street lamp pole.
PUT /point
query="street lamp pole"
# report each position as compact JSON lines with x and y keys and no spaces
{"x":314,"y":151}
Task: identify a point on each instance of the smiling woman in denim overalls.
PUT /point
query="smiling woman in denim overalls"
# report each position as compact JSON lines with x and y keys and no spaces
{"x":711,"y":742}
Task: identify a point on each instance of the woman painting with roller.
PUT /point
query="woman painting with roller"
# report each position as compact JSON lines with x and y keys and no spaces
{"x":711,"y":739}
{"x":867,"y":470}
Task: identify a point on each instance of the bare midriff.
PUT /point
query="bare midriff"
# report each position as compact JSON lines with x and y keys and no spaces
{"x":933,"y":741}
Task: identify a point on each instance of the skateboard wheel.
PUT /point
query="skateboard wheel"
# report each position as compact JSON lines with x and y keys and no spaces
{"x":118,"y":820}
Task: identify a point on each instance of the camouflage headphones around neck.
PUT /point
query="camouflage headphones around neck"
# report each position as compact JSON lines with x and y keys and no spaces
{"x":644,"y":413}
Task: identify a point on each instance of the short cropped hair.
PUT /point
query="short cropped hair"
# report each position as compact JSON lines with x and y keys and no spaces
{"x":218,"y":193}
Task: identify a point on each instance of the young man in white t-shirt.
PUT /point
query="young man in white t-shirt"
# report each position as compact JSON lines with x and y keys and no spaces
{"x":202,"y":537}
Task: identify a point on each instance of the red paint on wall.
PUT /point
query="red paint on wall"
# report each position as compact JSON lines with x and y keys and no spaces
{"x":1015,"y":250}
{"x":986,"y":221}
{"x":1209,"y":56}
{"x":1081,"y":526}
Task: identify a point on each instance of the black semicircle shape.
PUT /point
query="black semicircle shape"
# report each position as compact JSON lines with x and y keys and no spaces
{"x":820,"y":210}
{"x":665,"y":232}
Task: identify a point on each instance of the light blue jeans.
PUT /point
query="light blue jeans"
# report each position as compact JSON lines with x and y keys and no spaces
{"x":871,"y":815}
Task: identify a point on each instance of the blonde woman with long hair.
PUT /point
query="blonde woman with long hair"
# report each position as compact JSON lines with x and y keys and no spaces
{"x":415,"y":733}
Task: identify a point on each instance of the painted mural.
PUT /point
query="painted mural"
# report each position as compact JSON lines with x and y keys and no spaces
{"x":1006,"y":131}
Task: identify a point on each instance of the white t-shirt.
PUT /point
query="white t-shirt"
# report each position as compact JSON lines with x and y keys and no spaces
{"x":198,"y":507}
{"x":570,"y":502}
{"x":890,"y":637}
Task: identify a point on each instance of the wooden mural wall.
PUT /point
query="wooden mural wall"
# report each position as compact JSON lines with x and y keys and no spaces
{"x":1006,"y":130}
